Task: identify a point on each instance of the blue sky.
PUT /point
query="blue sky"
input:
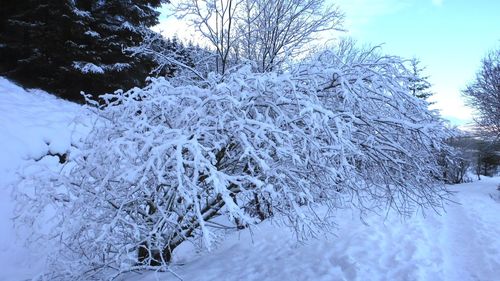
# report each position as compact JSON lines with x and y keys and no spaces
{"x":450,"y":37}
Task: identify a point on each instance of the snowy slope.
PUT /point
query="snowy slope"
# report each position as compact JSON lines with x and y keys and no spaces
{"x":461,"y":244}
{"x":32,"y":124}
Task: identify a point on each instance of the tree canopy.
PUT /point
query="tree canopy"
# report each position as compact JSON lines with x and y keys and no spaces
{"x":483,"y":94}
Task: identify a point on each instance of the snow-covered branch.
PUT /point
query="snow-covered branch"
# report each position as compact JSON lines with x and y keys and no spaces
{"x":340,"y":129}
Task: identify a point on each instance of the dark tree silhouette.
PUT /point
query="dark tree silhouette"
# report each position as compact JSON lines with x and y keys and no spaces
{"x":68,"y":46}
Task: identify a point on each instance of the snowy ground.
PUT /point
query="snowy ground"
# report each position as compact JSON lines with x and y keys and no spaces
{"x":461,"y":244}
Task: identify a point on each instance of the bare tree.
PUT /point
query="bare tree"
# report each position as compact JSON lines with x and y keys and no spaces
{"x":484,"y":94}
{"x":271,"y":31}
{"x":215,"y":20}
{"x":262,"y":31}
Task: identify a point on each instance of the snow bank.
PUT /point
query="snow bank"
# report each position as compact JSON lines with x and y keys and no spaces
{"x":32,"y":124}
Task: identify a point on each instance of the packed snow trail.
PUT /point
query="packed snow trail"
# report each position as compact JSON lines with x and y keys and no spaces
{"x":471,"y":233}
{"x":459,"y":245}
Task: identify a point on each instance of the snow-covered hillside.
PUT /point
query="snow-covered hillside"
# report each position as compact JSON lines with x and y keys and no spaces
{"x":461,"y":244}
{"x":32,"y":124}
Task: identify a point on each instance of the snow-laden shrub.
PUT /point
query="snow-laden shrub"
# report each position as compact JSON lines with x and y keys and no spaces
{"x":162,"y":162}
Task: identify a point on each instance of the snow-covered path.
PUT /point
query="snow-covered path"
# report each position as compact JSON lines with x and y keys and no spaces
{"x":462,"y":244}
{"x":471,"y":233}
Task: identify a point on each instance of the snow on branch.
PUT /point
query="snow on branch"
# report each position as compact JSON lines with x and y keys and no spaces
{"x":88,"y":67}
{"x":340,"y":129}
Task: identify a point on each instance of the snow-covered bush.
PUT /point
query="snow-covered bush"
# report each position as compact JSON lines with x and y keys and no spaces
{"x":337,"y":130}
{"x":456,"y":161}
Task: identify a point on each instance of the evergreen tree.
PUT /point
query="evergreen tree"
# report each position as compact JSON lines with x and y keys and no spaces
{"x":161,"y":48}
{"x":419,"y":84}
{"x":68,"y":46}
{"x":32,"y":49}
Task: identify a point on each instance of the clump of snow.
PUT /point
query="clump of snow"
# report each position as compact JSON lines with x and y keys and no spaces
{"x":119,"y":66}
{"x":80,"y":13}
{"x":92,"y":33}
{"x":87,"y":67}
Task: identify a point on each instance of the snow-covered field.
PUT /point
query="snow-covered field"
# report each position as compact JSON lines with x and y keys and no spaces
{"x":461,"y":244}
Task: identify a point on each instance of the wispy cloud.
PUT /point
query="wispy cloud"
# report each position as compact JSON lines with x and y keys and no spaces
{"x":437,"y":2}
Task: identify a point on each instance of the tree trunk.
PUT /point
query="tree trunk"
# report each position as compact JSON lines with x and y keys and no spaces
{"x":154,"y":257}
